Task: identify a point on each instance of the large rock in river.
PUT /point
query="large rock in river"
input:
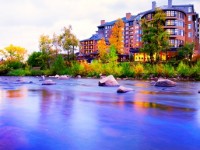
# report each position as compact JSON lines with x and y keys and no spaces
{"x":108,"y":81}
{"x":165,"y":83}
{"x":123,"y":89}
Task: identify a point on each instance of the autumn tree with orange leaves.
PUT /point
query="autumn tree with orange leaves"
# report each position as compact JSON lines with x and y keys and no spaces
{"x":103,"y":50}
{"x":116,"y":38}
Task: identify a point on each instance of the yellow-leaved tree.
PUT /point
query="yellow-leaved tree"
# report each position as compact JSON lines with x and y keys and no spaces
{"x":103,"y":50}
{"x":12,"y":52}
{"x":116,"y":38}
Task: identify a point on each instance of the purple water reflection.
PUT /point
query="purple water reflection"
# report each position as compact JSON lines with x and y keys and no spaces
{"x":77,"y":114}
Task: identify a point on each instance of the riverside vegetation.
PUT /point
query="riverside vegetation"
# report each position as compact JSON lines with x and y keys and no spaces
{"x":183,"y":69}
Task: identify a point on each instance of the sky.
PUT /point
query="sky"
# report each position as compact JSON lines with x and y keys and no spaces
{"x":22,"y":22}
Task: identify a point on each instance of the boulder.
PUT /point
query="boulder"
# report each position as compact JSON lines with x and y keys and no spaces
{"x":199,"y":91}
{"x":48,"y":82}
{"x":108,"y":81}
{"x":63,"y":77}
{"x":123,"y":89}
{"x":56,"y":76}
{"x":165,"y":83}
{"x":78,"y":76}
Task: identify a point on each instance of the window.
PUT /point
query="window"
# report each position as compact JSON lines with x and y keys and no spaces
{"x":190,"y":34}
{"x":171,"y":31}
{"x":189,"y":9}
{"x":170,"y":23}
{"x":189,"y":26}
{"x":176,"y":32}
{"x":130,"y":23}
{"x":168,"y":13}
{"x":181,"y":32}
{"x":171,"y":42}
{"x":171,"y":13}
{"x":189,"y":18}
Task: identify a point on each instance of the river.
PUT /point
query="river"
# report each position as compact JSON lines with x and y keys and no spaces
{"x":77,"y":114}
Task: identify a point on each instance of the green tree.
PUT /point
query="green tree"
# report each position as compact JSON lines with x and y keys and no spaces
{"x":58,"y":66}
{"x":68,"y":41}
{"x":45,"y":44}
{"x":34,"y":59}
{"x":154,"y":37}
{"x":186,"y":51}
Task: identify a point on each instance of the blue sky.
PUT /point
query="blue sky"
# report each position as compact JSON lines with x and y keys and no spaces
{"x":23,"y":21}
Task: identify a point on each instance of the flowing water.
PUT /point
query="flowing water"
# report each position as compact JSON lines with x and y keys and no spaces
{"x":77,"y":114}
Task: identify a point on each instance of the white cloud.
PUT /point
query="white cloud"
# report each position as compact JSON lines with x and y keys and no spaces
{"x":23,"y":21}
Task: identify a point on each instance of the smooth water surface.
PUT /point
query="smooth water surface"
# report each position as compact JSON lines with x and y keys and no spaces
{"x":77,"y":114}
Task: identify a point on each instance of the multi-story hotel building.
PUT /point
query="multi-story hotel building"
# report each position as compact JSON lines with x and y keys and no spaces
{"x":182,"y":24}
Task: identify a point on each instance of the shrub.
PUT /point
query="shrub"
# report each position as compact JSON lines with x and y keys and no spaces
{"x":195,"y":71}
{"x":36,"y":72}
{"x":59,"y":66}
{"x":139,"y":69}
{"x":183,"y":70}
{"x":168,"y":70}
{"x":14,"y":64}
{"x":96,"y":68}
{"x":126,"y":70}
{"x":74,"y":69}
{"x":4,"y":69}
{"x":18,"y":72}
{"x":48,"y":72}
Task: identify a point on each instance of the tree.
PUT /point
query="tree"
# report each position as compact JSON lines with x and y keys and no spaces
{"x":186,"y":51}
{"x":45,"y":44}
{"x":103,"y":50}
{"x":12,"y":52}
{"x":116,"y":38}
{"x":68,"y":41}
{"x":58,"y":66}
{"x":34,"y":59}
{"x":55,"y":42}
{"x":154,"y":37}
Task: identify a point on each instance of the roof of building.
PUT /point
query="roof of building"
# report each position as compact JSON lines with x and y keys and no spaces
{"x":111,"y":23}
{"x":94,"y":37}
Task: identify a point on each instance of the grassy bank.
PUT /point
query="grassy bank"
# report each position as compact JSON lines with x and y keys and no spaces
{"x":183,"y":70}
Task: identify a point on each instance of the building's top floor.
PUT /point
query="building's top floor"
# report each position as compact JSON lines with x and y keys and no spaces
{"x":186,"y":9}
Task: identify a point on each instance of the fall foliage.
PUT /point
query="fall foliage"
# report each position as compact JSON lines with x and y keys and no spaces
{"x":12,"y":52}
{"x":103,"y":50}
{"x":116,"y":38}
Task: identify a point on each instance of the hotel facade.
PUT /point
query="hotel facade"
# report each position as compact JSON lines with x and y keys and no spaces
{"x":182,"y":24}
